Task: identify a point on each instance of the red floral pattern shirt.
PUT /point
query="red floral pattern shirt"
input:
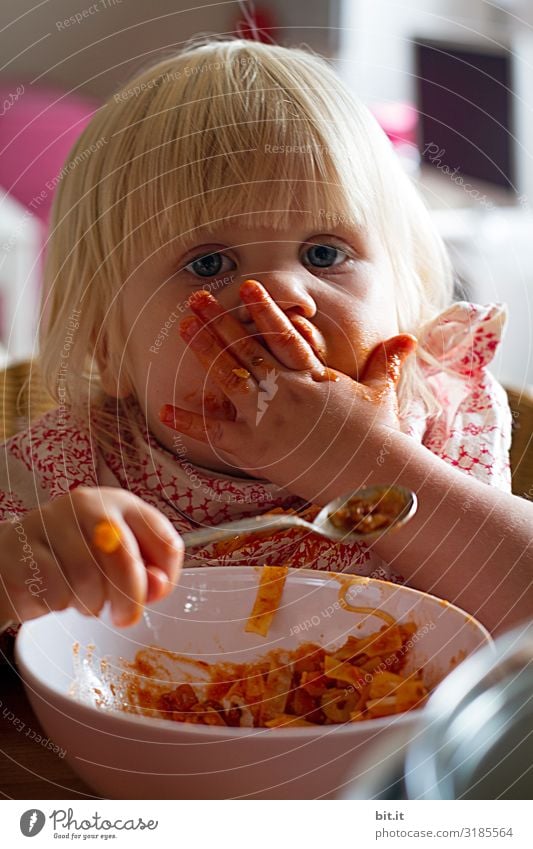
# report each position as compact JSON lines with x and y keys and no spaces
{"x":472,"y":433}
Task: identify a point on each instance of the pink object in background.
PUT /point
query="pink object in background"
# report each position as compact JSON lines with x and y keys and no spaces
{"x":37,"y":130}
{"x":38,"y":127}
{"x":257,"y":24}
{"x":398,"y":120}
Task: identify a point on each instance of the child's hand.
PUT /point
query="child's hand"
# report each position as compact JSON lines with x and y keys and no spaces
{"x":48,"y":559}
{"x":298,"y":422}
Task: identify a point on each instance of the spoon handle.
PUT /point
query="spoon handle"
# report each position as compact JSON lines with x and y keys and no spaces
{"x":244,"y":526}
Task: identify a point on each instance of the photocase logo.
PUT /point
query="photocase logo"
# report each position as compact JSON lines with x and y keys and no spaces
{"x":32,"y":822}
{"x":267,"y":389}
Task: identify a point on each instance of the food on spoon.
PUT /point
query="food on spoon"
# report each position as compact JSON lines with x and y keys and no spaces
{"x":366,"y":515}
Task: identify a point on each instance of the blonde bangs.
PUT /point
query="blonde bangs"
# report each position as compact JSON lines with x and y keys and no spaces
{"x":234,"y":134}
{"x":224,"y":129}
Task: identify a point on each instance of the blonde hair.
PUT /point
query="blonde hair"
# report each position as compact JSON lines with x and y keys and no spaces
{"x":224,"y":128}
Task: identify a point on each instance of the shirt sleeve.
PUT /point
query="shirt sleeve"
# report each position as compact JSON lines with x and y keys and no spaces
{"x":473,"y":430}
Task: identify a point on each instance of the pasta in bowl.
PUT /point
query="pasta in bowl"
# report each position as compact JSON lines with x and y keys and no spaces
{"x":116,"y":706}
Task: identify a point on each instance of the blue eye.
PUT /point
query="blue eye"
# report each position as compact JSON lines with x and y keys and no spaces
{"x":324,"y":256}
{"x":210,"y":264}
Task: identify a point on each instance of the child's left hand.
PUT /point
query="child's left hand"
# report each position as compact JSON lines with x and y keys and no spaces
{"x":298,"y":422}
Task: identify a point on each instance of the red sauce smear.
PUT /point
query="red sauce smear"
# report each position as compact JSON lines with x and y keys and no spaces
{"x":306,"y":686}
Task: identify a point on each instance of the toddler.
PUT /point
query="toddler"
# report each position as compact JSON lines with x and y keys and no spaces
{"x":246,"y":309}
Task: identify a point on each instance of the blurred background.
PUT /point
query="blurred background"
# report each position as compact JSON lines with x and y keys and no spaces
{"x":450,"y":82}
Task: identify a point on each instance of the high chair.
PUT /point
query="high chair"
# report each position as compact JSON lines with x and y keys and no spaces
{"x":23,"y":397}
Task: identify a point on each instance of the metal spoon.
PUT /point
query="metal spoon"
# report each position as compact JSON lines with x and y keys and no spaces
{"x":322,"y":523}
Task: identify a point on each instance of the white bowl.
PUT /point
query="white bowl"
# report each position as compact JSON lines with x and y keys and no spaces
{"x":125,"y":756}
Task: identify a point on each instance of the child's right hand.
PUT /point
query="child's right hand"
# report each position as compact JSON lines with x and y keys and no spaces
{"x":48,"y":560}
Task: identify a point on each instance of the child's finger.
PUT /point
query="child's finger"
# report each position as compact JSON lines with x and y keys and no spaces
{"x":86,"y":581}
{"x":126,"y":580}
{"x":160,"y":545}
{"x":311,"y":334}
{"x":248,"y":350}
{"x":225,"y":436}
{"x":236,"y":382}
{"x":384,"y":365}
{"x":158,"y":584}
{"x":282,"y":338}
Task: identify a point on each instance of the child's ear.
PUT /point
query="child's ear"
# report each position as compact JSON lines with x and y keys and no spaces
{"x":113,"y":377}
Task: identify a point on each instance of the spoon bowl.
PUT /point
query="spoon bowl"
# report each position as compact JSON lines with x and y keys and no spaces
{"x":334,"y":521}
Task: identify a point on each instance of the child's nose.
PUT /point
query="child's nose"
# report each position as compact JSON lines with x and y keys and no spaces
{"x":287,"y":292}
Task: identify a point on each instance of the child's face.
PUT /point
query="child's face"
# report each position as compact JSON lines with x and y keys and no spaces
{"x":339,"y":279}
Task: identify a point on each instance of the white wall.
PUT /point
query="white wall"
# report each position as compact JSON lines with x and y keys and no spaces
{"x":376,"y":56}
{"x":375,"y":51}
